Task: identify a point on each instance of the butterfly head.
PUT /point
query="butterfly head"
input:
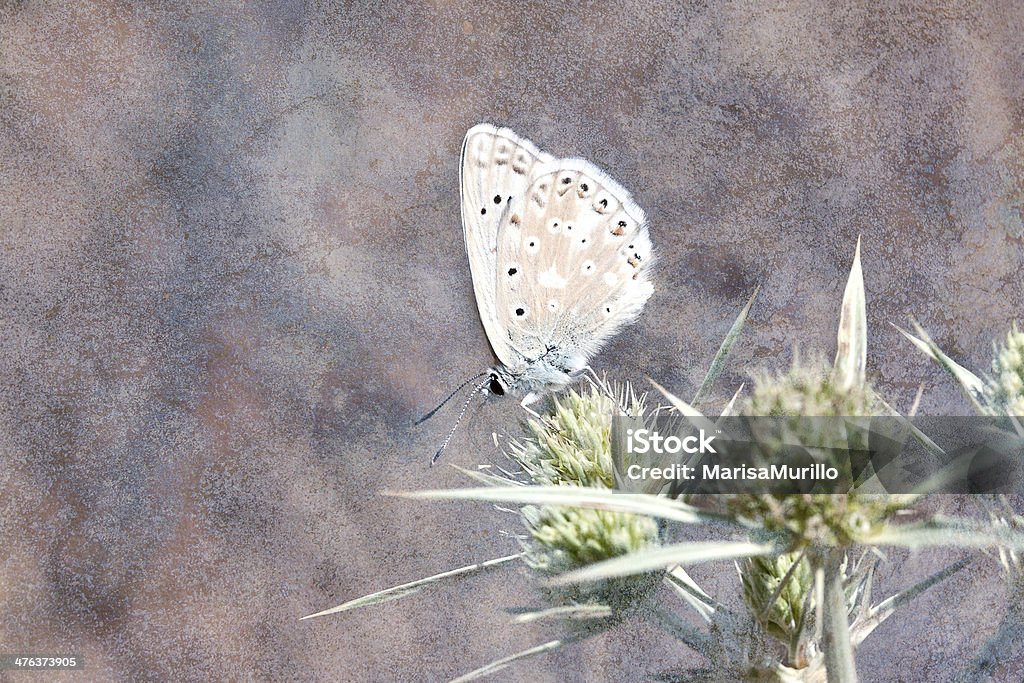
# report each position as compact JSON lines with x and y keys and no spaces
{"x":496,"y":386}
{"x":499,"y":381}
{"x":550,"y":373}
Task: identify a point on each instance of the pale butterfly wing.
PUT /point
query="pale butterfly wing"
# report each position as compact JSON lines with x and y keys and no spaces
{"x":496,"y":169}
{"x":573,"y":259}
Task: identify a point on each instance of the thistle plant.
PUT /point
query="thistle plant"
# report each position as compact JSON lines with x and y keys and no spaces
{"x":808,"y":389}
{"x":571,"y":446}
{"x":999,"y":394}
{"x":1004,"y":388}
{"x":806,"y":562}
{"x":813,"y":390}
{"x":778,"y":592}
{"x":567,"y":538}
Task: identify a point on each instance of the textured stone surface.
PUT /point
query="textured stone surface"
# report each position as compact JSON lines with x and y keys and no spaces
{"x":232,"y":274}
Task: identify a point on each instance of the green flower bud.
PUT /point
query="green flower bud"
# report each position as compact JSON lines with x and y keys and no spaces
{"x":761,"y":578}
{"x":1004,"y":389}
{"x":568,"y":538}
{"x":808,"y":390}
{"x":571,"y":444}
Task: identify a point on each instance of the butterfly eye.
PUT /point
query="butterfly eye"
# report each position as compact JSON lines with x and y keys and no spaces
{"x":495,"y":387}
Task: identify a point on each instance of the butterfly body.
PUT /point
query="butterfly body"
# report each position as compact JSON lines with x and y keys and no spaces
{"x":559,"y":254}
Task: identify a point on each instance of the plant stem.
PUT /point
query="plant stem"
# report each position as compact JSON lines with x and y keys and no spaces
{"x":839,"y":660}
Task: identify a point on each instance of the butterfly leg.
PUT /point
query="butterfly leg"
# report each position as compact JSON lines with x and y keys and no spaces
{"x":531,"y":397}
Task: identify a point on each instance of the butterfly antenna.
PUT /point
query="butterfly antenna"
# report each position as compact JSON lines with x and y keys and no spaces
{"x":462,"y":412}
{"x":450,"y":397}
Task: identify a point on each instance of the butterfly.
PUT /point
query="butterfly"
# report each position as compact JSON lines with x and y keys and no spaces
{"x":560,"y":258}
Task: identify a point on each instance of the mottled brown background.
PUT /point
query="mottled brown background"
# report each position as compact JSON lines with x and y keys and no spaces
{"x":232,"y":274}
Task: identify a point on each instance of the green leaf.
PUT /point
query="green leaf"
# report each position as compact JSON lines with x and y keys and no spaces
{"x":685,"y":409}
{"x":681,"y":629}
{"x":486,"y":478}
{"x":407,"y":589}
{"x":661,"y":558}
{"x":884,"y":609}
{"x":852,"y":341}
{"x":687,"y":589}
{"x":723,"y":352}
{"x":571,"y":612}
{"x":580,"y":496}
{"x":727,"y":411}
{"x":920,"y":436}
{"x":970,"y":383}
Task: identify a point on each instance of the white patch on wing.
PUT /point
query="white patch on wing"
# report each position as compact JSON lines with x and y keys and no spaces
{"x":551,"y":279}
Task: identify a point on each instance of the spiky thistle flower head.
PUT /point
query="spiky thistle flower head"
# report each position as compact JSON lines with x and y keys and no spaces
{"x":569,"y":538}
{"x":571,"y":443}
{"x":571,"y":446}
{"x":809,"y":390}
